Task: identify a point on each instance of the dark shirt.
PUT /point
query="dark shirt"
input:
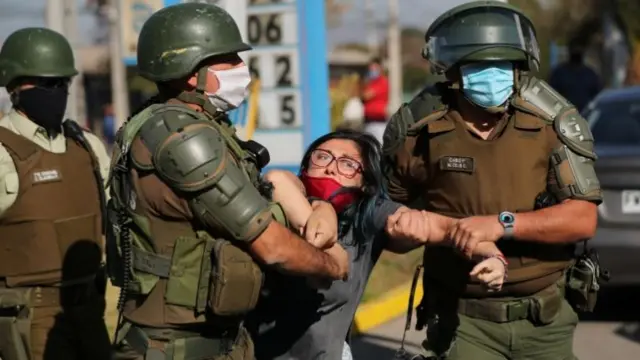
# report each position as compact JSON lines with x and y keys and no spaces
{"x":297,"y":322}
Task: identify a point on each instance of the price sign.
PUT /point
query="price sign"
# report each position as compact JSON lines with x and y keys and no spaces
{"x":272,"y":29}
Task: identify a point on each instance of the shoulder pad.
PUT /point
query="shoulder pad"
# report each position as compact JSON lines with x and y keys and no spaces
{"x":428,"y":101}
{"x":573,"y":131}
{"x":167,"y":121}
{"x":539,"y":98}
{"x":127,"y":133}
{"x":189,"y":154}
{"x":396,"y":130}
{"x":416,"y":128}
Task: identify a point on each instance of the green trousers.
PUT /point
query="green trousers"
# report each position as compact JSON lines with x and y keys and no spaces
{"x":476,"y":339}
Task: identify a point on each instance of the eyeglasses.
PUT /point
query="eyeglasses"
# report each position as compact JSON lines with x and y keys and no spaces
{"x":346,"y":167}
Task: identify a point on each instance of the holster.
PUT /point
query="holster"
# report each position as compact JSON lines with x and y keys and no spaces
{"x":15,"y":324}
{"x":582,"y":285}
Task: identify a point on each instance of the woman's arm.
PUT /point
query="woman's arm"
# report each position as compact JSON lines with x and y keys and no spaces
{"x":290,"y":194}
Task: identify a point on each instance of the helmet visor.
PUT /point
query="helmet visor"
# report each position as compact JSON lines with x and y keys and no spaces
{"x":452,"y":44}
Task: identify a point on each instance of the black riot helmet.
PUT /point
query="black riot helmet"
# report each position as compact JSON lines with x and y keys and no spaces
{"x":481,"y":31}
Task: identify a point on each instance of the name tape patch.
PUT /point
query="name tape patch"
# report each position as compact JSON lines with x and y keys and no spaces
{"x":457,"y":163}
{"x":46,"y":176}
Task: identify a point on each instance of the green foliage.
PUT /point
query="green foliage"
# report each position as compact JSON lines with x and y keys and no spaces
{"x":414,"y":78}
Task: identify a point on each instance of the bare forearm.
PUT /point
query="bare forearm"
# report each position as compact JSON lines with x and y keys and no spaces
{"x":434,"y":234}
{"x":288,"y":253}
{"x":288,"y":194}
{"x":297,"y":211}
{"x":485,"y":249}
{"x":301,"y":258}
{"x":568,"y":222}
{"x":438,"y":228}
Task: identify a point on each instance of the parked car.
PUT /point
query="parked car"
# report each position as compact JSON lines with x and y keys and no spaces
{"x":614,"y":119}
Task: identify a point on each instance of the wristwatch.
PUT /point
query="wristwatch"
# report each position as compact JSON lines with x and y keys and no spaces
{"x":507,"y":219}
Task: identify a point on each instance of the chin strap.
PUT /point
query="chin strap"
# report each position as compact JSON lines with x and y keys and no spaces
{"x":199,"y":96}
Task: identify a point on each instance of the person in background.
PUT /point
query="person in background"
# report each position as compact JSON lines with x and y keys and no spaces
{"x":109,"y":125}
{"x":52,"y":171}
{"x":353,"y":112}
{"x":375,"y":99}
{"x":574,"y":79}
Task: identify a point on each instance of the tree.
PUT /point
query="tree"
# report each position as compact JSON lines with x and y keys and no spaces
{"x":579,"y":20}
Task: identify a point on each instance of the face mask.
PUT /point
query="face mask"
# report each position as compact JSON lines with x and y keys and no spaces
{"x":373,"y":74}
{"x":44,"y":106}
{"x":487,"y":85}
{"x":329,"y":190}
{"x":233,"y":88}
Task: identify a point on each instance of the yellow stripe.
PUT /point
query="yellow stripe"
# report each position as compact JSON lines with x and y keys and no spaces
{"x":253,"y":111}
{"x":377,"y":312}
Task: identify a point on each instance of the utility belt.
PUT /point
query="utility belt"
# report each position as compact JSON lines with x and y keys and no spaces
{"x":50,"y":296}
{"x":541,"y":308}
{"x":16,"y":306}
{"x":170,"y":344}
{"x":579,"y":285}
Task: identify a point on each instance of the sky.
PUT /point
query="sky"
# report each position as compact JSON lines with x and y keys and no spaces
{"x":15,"y":14}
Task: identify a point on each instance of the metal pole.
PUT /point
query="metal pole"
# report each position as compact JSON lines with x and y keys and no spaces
{"x":54,"y":14}
{"x":56,"y":19}
{"x":395,"y":62}
{"x":76,"y":100}
{"x":372,"y":30}
{"x":119,"y":90}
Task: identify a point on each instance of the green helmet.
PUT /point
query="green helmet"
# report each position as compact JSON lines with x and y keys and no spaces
{"x":175,"y":39}
{"x":35,"y":52}
{"x":481,"y":31}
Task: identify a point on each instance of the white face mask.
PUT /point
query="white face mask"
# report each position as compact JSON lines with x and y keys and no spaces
{"x":233,"y":88}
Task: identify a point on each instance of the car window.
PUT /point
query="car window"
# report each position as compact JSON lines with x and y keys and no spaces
{"x":615,"y":122}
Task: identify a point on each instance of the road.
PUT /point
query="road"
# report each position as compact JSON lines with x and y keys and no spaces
{"x":613,"y":333}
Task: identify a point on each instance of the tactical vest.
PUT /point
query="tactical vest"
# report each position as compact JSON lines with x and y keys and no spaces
{"x":468,"y":176}
{"x":52,"y":234}
{"x":169,"y":260}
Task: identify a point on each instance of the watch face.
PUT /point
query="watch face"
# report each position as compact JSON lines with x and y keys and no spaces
{"x":507,"y":218}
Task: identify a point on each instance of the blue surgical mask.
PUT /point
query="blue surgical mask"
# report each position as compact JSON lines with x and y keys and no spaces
{"x":487,"y":84}
{"x":373,"y":74}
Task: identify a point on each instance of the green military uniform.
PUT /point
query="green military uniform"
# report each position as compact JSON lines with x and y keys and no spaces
{"x":50,"y":217}
{"x":184,"y":202}
{"x":540,"y":144}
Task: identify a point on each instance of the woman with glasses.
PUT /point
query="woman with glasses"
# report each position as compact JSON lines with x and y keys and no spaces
{"x":304,"y":318}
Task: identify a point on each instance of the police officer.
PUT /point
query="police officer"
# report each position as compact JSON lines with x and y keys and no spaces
{"x":499,"y":137}
{"x":51,"y":198}
{"x":189,"y":221}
